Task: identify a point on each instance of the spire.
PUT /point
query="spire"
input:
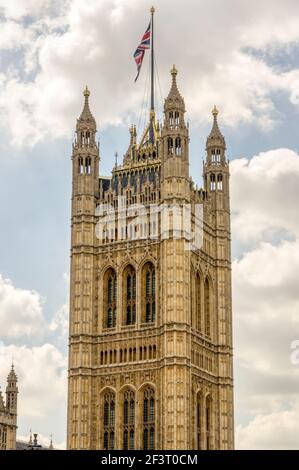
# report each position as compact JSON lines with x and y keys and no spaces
{"x":12,"y":377}
{"x":215,"y":138}
{"x":86,"y":119}
{"x":30,"y":443}
{"x":174,"y":98}
{"x":51,"y":447}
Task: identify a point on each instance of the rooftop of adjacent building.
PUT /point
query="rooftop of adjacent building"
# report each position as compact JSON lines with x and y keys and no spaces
{"x":33,"y":444}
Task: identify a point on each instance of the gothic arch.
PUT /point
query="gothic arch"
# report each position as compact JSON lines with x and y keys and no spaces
{"x":110,"y":294}
{"x":148,"y":274}
{"x":208,"y":422}
{"x":129,"y":294}
{"x":208,"y":306}
{"x":148,"y":415}
{"x":199,"y":401}
{"x":109,"y":265}
{"x":107,"y":418}
{"x":127,"y":416}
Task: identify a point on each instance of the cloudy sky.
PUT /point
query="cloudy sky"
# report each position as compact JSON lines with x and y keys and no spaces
{"x":242,"y":56}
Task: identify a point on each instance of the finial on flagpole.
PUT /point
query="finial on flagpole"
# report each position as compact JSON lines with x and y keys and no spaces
{"x":215,"y":111}
{"x":86,"y":92}
{"x":152,"y":10}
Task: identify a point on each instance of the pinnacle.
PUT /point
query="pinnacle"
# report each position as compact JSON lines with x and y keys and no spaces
{"x":86,"y":116}
{"x":215,"y":138}
{"x":174,"y":95}
{"x":12,"y":375}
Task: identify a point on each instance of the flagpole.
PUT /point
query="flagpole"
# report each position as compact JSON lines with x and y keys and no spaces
{"x":152,"y":60}
{"x":152,"y":111}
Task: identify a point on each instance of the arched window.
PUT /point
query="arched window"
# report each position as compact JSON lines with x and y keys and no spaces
{"x":208,"y":423}
{"x":198,"y":302}
{"x":213,"y":182}
{"x":213,"y":155}
{"x":198,"y":421}
{"x":218,"y":154}
{"x":219,"y":182}
{"x":149,"y":419}
{"x":129,"y":421}
{"x":178,"y":146}
{"x":149,"y":293}
{"x":88,"y":166}
{"x":81,"y":167}
{"x":109,"y":421}
{"x":171,"y":121}
{"x":207,"y":299}
{"x":110,"y":292}
{"x":170,"y":146}
{"x":177,"y":118}
{"x":130,"y":295}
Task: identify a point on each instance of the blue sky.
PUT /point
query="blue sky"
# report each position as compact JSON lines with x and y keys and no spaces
{"x":242,"y":57}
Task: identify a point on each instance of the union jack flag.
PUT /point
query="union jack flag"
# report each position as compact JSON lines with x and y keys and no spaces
{"x":143,"y":46}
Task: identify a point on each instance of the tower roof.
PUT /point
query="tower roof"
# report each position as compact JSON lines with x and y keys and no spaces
{"x":174,"y":98}
{"x":86,"y":119}
{"x":12,"y":376}
{"x":215,"y":139}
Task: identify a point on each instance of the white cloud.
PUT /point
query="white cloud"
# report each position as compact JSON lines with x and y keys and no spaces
{"x":18,"y":9}
{"x":93,"y":42}
{"x":60,"y":321}
{"x":41,"y":368}
{"x":42,"y":385}
{"x":20,"y":312}
{"x":266,"y":299}
{"x":264,"y":191}
{"x":274,"y":431}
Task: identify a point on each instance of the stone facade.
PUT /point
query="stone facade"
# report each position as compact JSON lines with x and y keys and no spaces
{"x":150,"y":352}
{"x":8,"y":413}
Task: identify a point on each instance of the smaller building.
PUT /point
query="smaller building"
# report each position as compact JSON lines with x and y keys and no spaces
{"x":9,"y":412}
{"x":33,"y":444}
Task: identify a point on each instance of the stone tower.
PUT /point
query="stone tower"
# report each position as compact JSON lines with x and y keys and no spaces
{"x":150,"y":354}
{"x":8,"y":413}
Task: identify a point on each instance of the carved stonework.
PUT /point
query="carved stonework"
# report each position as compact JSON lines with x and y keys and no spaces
{"x":150,"y":348}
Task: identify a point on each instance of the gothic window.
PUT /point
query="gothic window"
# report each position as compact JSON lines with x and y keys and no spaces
{"x":87,"y":137}
{"x":149,"y":293}
{"x":213,"y":154}
{"x":88,"y":166}
{"x":109,"y":421}
{"x":198,"y":421}
{"x":171,"y":120}
{"x":219,"y":182}
{"x":177,"y":118}
{"x":207,"y":299}
{"x":213,"y":182}
{"x":111,"y":296}
{"x":198,"y":302}
{"x":178,"y":146}
{"x":130,"y":295}
{"x":208,"y":423}
{"x":129,"y":421}
{"x":149,"y":419}
{"x":170,"y":146}
{"x":218,"y":155}
{"x":81,"y":167}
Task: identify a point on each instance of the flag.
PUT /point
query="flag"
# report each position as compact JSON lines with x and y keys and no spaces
{"x":143,"y":46}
